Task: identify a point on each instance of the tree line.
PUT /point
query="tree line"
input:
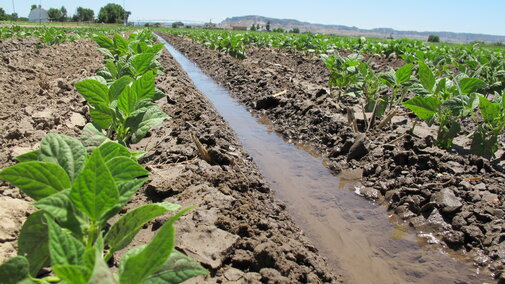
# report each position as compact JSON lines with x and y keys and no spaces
{"x":110,"y":13}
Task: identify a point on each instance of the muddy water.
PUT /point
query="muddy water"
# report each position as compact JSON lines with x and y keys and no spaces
{"x":356,"y":236}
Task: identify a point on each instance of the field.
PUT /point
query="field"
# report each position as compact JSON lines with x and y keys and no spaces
{"x":417,"y":128}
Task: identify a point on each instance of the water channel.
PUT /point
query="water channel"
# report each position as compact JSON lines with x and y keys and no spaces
{"x":356,"y":236}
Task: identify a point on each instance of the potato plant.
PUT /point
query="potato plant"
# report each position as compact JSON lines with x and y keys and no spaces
{"x":76,"y":195}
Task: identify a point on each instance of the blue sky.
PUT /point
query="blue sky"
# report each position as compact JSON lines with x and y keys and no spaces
{"x":484,"y":16}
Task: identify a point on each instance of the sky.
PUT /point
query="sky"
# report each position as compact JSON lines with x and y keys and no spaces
{"x":472,"y":16}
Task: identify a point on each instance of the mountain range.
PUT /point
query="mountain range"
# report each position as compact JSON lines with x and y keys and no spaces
{"x":288,"y":24}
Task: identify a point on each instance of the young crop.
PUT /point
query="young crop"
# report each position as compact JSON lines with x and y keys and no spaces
{"x":77,"y":194}
{"x":122,"y":98}
{"x":132,"y":57}
{"x":125,"y":109}
{"x":344,"y":71}
{"x":485,"y":139}
{"x":399,"y":81}
{"x":444,"y":102}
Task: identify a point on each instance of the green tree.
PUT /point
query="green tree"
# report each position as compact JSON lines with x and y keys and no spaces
{"x":177,"y":24}
{"x":253,"y":27}
{"x":278,"y":30}
{"x":14,"y":17}
{"x":83,"y":15}
{"x":33,"y":7}
{"x":267,"y":27}
{"x":433,"y":38}
{"x":295,"y":31}
{"x":54,"y":14}
{"x":3,"y":16}
{"x":113,"y":13}
{"x":64,"y":16}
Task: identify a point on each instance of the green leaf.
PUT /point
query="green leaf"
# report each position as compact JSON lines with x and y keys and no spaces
{"x":118,"y":86}
{"x":120,"y":44}
{"x":33,"y":242}
{"x":101,"y":273}
{"x":127,"y":227}
{"x":14,"y":270}
{"x":28,"y":157}
{"x":469,"y":85}
{"x":101,"y":115}
{"x":61,"y":208}
{"x":144,"y":86}
{"x":446,"y":134}
{"x":94,"y":191}
{"x":110,"y":150}
{"x":142,"y":62}
{"x":112,"y":68}
{"x":93,"y":91}
{"x":127,"y":100}
{"x":65,"y":151}
{"x":441,"y":86}
{"x":489,"y":111}
{"x":426,"y":77}
{"x":104,"y":42}
{"x":388,"y":78}
{"x":403,"y":73}
{"x":178,"y":268}
{"x":63,"y":247}
{"x":456,"y":104}
{"x":37,"y":179}
{"x":424,"y":107}
{"x":141,"y":121}
{"x":126,"y":191}
{"x":141,"y":263}
{"x":75,"y":274}
{"x":124,"y":168}
{"x":92,"y":137}
{"x":484,"y":144}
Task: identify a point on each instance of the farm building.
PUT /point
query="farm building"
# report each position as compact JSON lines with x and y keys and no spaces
{"x":38,"y":15}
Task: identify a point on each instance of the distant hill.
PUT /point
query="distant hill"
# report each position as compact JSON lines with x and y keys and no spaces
{"x":354,"y":31}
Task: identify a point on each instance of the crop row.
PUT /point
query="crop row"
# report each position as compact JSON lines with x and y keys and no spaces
{"x":443,"y":85}
{"x":80,"y":185}
{"x":54,"y":35}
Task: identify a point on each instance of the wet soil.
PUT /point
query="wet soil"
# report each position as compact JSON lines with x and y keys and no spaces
{"x":238,"y":231}
{"x":456,"y":196}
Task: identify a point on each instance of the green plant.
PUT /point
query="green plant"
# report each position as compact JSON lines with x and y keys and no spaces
{"x":77,"y":194}
{"x":125,"y":109}
{"x":399,"y":81}
{"x":343,"y":71}
{"x":444,"y":102}
{"x":132,"y":57}
{"x":485,"y":139}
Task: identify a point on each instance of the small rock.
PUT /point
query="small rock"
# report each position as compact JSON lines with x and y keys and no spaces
{"x":370,"y":193}
{"x":436,"y":221}
{"x":233,"y":274}
{"x":473,"y":232}
{"x":446,"y":200}
{"x":490,"y":198}
{"x":76,"y":119}
{"x":466,"y":185}
{"x":358,"y":149}
{"x":453,"y":238}
{"x":480,"y":186}
{"x":270,"y":275}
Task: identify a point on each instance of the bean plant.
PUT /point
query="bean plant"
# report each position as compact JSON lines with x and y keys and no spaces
{"x":77,"y":194}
